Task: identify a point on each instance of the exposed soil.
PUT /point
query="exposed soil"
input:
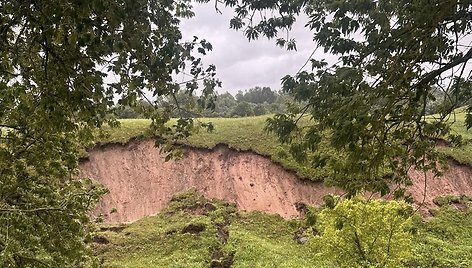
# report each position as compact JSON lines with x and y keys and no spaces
{"x":141,"y":183}
{"x":100,"y":240}
{"x":457,"y":181}
{"x":194,"y":228}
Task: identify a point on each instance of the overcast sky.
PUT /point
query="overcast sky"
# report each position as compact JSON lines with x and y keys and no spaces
{"x":242,"y":64}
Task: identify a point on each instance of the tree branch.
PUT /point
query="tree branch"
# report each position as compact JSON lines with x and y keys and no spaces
{"x":427,"y":78}
{"x":10,"y":127}
{"x":34,"y":210}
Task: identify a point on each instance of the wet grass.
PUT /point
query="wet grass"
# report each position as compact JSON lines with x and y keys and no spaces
{"x":255,"y":239}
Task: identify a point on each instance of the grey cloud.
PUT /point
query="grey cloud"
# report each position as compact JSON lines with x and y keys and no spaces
{"x":242,"y":64}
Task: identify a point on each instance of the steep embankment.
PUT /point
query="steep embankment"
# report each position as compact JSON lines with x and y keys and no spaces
{"x":141,"y":183}
{"x":456,"y":181}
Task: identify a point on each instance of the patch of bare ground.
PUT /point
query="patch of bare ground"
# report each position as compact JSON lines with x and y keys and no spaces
{"x":141,"y":183}
{"x":456,"y":181}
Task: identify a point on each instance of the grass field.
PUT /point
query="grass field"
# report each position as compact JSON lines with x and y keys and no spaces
{"x":259,"y":240}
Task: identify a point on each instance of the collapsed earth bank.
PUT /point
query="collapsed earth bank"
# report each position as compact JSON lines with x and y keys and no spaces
{"x":141,"y":182}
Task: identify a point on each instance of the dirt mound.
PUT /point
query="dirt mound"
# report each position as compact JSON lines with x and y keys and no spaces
{"x":141,"y":183}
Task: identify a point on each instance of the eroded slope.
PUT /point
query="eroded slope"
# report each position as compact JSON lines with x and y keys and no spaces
{"x":141,"y":183}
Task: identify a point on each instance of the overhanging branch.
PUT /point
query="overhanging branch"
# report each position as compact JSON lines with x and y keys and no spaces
{"x":429,"y":77}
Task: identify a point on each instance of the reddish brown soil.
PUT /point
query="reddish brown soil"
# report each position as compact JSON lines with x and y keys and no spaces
{"x":457,"y":180}
{"x":141,"y":183}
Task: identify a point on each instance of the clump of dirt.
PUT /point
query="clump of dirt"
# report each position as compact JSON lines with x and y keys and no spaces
{"x":220,"y":259}
{"x":459,"y":202}
{"x":115,"y":229}
{"x":190,"y":201}
{"x":194,"y":228}
{"x":223,"y":233}
{"x":300,"y":236}
{"x":141,"y":183}
{"x":100,"y":240}
{"x":200,"y":209}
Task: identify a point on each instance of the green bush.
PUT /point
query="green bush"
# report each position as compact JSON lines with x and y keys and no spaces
{"x":360,"y":233}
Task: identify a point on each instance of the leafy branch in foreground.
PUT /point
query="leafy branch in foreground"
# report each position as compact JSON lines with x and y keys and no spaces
{"x":371,"y":104}
{"x":63,"y":63}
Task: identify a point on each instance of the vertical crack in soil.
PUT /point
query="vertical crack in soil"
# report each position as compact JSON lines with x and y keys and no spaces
{"x":221,"y":258}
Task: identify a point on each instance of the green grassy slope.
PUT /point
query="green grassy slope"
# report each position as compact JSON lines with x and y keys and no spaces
{"x":195,"y":232}
{"x":243,"y":239}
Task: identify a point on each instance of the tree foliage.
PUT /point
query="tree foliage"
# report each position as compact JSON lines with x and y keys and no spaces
{"x":257,"y":95}
{"x":255,"y":101}
{"x":370,"y":105}
{"x":242,"y":109}
{"x":360,"y":233}
{"x":441,"y":102}
{"x":62,"y":63}
{"x":223,"y":104}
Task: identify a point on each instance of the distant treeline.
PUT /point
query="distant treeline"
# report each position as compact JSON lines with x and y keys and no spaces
{"x":255,"y":101}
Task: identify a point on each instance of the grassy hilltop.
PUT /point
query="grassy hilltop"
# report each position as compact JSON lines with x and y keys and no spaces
{"x":247,"y":133}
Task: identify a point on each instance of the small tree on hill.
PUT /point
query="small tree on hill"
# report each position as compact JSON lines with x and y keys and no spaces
{"x":242,"y":109}
{"x":224,"y":104}
{"x":260,"y":109}
{"x":360,"y":233}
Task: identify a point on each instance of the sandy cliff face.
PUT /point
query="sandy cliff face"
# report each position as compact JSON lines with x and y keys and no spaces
{"x":457,"y":180}
{"x":141,"y":183}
